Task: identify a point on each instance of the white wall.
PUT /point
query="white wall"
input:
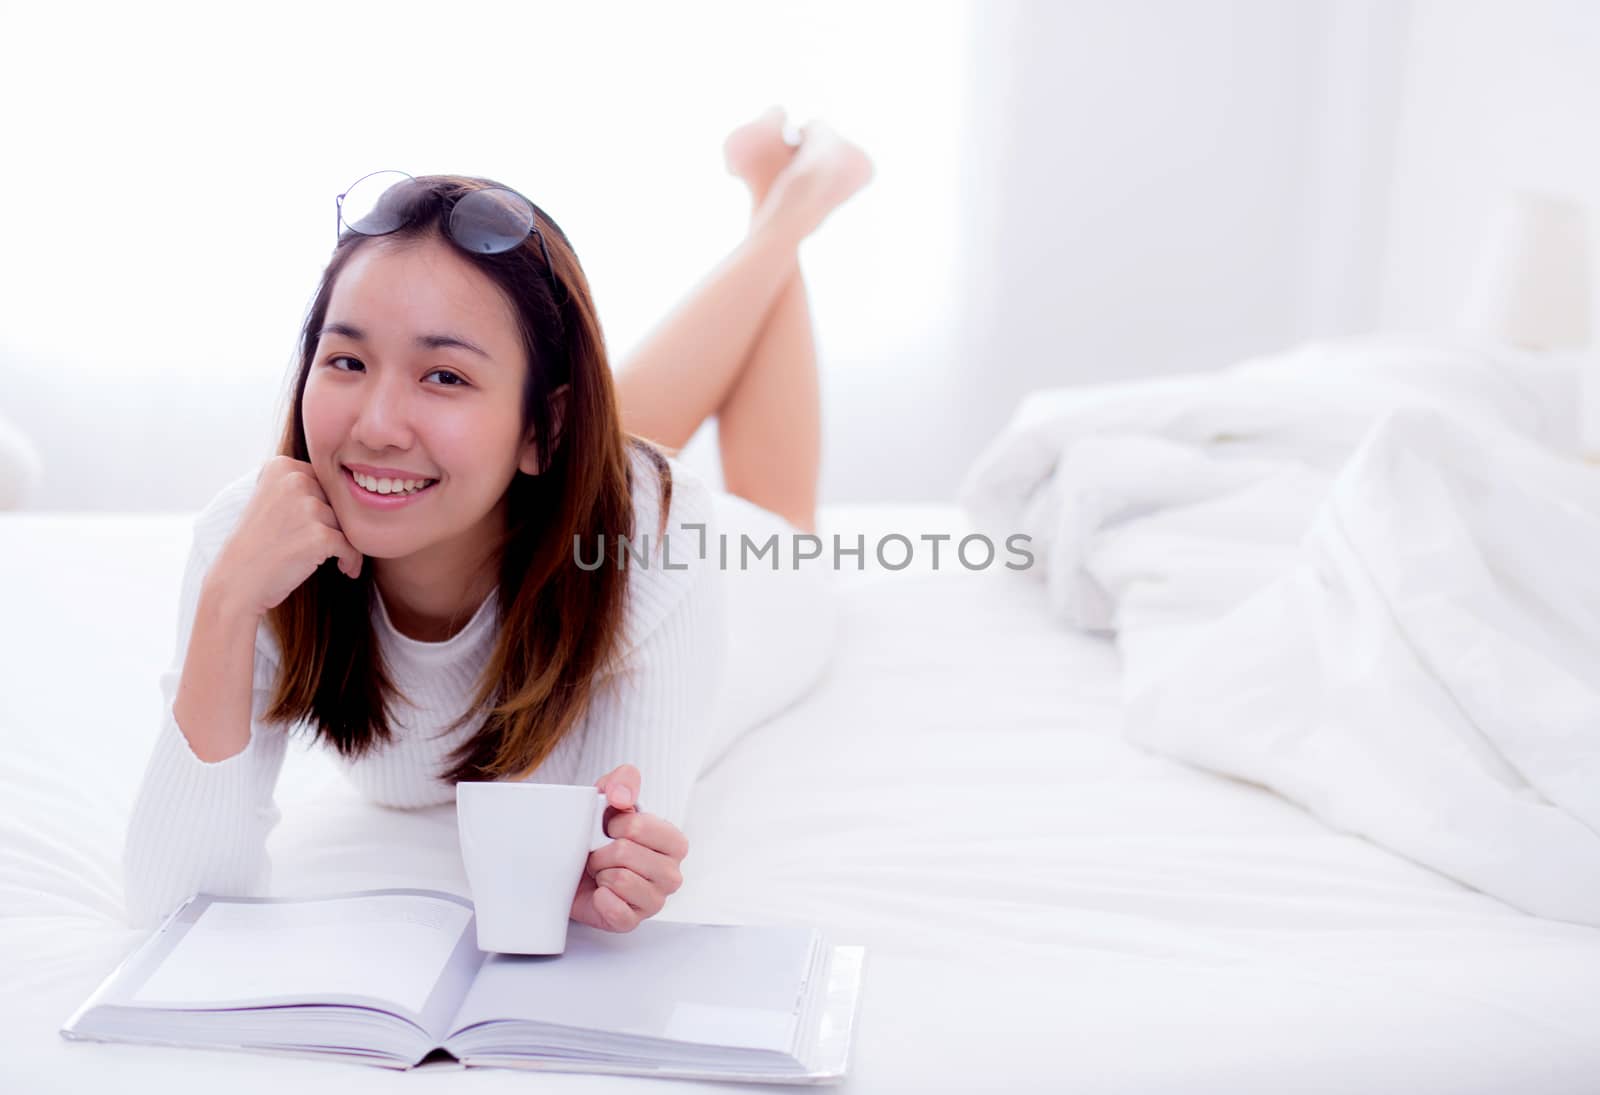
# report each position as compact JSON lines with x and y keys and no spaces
{"x":1497,"y":96}
{"x":1066,"y":193}
{"x":177,"y":167}
{"x":1158,"y":187}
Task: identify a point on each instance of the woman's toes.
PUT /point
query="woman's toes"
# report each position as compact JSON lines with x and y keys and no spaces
{"x":841,"y":166}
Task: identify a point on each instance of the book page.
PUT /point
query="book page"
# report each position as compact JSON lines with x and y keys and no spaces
{"x":730,"y":985}
{"x":391,"y":946}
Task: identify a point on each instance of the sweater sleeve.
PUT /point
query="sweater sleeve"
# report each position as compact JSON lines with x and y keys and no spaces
{"x":198,"y":826}
{"x":653,"y":714}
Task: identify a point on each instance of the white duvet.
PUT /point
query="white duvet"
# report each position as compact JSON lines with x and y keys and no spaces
{"x":1365,"y":574}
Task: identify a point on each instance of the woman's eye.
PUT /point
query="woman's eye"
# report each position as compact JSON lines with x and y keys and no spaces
{"x":342,"y":357}
{"x":455,"y":381}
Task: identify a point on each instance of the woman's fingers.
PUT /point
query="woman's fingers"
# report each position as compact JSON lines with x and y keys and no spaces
{"x":643,"y":898}
{"x":639,"y":869}
{"x":652,"y":831}
{"x":621,"y":786}
{"x":650,"y":865}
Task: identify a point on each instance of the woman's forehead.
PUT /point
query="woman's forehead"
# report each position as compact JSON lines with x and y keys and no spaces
{"x":419,"y":288}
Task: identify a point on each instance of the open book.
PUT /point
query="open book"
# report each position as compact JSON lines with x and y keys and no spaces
{"x":393,"y":977}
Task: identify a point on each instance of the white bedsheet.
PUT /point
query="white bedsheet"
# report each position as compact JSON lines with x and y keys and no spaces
{"x":1046,"y":908}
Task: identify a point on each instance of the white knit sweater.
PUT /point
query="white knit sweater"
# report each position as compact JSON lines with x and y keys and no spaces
{"x":198,"y":826}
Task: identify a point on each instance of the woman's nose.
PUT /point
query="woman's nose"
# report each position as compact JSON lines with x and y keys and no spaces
{"x":383,"y":421}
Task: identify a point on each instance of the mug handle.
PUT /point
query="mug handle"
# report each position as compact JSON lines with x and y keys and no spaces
{"x":598,"y":839}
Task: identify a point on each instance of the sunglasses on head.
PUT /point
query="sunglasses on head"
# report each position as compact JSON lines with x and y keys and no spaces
{"x":484,"y":222}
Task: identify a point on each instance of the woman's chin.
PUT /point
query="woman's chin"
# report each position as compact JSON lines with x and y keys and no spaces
{"x":373,"y":549}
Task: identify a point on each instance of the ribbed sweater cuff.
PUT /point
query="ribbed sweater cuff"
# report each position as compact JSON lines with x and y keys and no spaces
{"x":200,"y":826}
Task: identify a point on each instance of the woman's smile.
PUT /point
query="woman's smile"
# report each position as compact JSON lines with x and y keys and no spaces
{"x":397,"y":497}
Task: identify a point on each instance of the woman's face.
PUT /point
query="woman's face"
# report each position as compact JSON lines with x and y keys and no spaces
{"x":418,"y":368}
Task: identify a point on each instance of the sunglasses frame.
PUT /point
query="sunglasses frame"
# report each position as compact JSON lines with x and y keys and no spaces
{"x":534,"y":213}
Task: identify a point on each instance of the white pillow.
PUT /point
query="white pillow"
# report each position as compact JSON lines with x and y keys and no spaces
{"x":782,"y":624}
{"x":20,"y":468}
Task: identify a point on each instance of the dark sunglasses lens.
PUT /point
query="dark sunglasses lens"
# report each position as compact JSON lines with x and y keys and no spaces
{"x":378,"y":203}
{"x":490,"y":221}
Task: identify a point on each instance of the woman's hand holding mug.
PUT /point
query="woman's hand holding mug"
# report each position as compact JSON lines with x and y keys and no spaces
{"x":629,"y":880}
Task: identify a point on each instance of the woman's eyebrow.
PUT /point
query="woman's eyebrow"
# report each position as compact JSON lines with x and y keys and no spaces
{"x":426,"y":342}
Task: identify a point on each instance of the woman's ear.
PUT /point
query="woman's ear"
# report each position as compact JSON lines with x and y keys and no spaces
{"x":558,"y":411}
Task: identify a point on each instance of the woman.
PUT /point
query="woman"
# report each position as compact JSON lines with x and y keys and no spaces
{"x":412,"y":577}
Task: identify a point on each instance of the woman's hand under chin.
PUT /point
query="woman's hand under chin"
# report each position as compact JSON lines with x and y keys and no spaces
{"x":629,"y":880}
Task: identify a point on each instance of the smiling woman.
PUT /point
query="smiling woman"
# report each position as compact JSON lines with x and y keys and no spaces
{"x":397,"y":580}
{"x":400,"y":578}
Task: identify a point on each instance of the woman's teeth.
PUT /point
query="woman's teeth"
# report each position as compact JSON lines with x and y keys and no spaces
{"x":391,"y":486}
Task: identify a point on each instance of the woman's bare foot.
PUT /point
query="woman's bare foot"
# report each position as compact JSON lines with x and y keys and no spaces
{"x":758,"y":150}
{"x":826,"y":171}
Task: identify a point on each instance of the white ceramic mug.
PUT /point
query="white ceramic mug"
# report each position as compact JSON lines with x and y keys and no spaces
{"x":524,"y":846}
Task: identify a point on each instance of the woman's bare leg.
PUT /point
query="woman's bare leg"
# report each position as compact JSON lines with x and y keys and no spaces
{"x":683,"y":370}
{"x":740,"y":345}
{"x":769,"y":429}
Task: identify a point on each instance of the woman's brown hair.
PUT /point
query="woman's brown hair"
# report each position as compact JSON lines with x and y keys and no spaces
{"x":561,"y":624}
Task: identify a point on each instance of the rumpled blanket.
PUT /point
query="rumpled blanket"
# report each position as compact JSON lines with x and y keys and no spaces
{"x":1364,"y":574}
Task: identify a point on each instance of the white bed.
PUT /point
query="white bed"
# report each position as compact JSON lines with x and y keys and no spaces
{"x":1046,"y":908}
